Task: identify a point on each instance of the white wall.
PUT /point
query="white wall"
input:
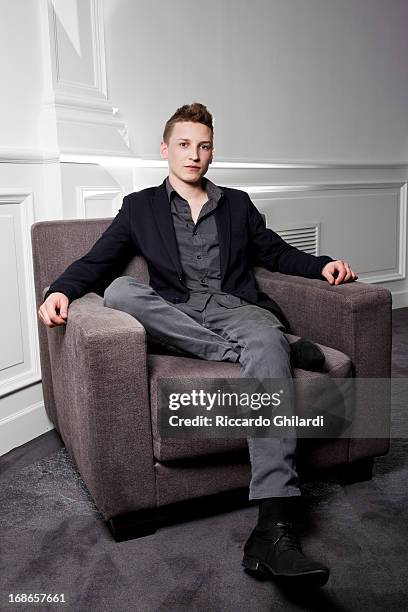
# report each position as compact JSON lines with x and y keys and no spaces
{"x":20,"y":73}
{"x":93,"y":81}
{"x":315,"y":80}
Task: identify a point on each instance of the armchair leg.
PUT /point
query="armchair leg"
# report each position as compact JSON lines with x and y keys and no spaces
{"x":132,"y":525}
{"x":358,"y":471}
{"x":145,"y":522}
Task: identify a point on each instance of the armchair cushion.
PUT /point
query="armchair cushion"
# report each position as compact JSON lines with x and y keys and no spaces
{"x":337,"y":365}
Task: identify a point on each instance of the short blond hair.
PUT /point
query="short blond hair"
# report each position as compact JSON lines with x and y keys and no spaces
{"x":195,"y":112}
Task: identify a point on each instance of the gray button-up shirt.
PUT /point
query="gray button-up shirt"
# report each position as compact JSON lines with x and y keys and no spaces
{"x":199,"y":248}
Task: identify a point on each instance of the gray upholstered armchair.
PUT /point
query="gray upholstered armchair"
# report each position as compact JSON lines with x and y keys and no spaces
{"x":100,"y":389}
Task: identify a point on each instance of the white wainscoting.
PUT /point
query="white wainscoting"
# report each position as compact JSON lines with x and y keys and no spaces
{"x":96,"y":202}
{"x":22,"y":417}
{"x":22,"y":413}
{"x":19,"y":360}
{"x":359,"y":212}
{"x":362,"y":223}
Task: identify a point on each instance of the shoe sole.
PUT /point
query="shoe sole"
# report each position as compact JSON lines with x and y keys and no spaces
{"x":262,"y":571}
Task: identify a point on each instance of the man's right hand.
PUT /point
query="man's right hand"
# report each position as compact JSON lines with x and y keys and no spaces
{"x":54,"y":311}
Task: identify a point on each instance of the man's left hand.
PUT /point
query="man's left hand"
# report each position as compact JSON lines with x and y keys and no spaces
{"x":338,"y":272}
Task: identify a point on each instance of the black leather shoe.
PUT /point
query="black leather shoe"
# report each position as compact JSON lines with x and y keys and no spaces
{"x":275,"y":553}
{"x":306,"y":355}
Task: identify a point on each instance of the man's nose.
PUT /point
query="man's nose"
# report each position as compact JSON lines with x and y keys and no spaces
{"x":194,"y":153}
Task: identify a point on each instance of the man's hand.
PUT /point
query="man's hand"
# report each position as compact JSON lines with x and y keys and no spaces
{"x":54,"y":311}
{"x":338,"y":272}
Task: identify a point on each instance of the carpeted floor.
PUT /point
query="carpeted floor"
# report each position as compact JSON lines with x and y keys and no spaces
{"x":52,"y":540}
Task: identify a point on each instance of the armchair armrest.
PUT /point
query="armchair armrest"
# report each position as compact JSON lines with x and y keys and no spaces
{"x":99,"y":373}
{"x":354,"y":318}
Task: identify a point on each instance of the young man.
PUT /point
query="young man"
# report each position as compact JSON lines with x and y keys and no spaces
{"x":201,"y":242}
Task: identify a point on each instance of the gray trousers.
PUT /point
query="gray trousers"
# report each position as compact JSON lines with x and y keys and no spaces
{"x":248,"y":334}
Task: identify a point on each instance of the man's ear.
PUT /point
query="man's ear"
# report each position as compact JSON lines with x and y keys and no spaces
{"x":212,"y":155}
{"x":164,"y":150}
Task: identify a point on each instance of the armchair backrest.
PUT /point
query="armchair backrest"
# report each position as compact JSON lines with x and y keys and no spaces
{"x":55,"y":245}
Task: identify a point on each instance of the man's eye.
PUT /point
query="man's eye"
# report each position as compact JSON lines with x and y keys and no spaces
{"x":207,"y":147}
{"x":182,"y":144}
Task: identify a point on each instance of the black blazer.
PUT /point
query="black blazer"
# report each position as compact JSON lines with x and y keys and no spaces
{"x":144,"y":226}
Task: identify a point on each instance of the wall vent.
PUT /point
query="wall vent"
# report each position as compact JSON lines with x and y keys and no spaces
{"x":305,"y":238}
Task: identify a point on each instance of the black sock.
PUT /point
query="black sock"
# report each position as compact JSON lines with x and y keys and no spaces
{"x":279,"y":509}
{"x":307,"y":355}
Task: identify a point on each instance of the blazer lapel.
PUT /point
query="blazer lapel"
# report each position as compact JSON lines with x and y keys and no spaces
{"x":162,"y":212}
{"x":223,"y":221}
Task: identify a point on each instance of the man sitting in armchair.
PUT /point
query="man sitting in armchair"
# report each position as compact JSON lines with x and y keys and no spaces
{"x":201,"y":242}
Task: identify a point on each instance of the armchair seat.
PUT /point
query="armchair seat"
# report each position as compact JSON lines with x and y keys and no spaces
{"x":337,"y":365}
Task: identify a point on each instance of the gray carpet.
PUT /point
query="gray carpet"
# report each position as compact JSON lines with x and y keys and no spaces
{"x":54,"y":541}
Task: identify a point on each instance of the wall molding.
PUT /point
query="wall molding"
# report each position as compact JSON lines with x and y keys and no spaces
{"x":23,"y":198}
{"x":400,"y":273}
{"x":130,"y":161}
{"x":82,"y":102}
{"x":23,"y":426}
{"x":123,"y":159}
{"x":266,"y":189}
{"x":27,"y":156}
{"x":84,"y":194}
{"x":399,"y":299}
{"x":98,"y":86}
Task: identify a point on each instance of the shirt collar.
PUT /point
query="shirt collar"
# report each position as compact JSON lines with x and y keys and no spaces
{"x":213,"y":191}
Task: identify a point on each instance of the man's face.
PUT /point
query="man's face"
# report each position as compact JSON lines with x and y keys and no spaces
{"x":189,"y":151}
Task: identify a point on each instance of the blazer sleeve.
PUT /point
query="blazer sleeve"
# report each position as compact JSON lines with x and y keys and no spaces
{"x":108,"y":256}
{"x":271,"y":251}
